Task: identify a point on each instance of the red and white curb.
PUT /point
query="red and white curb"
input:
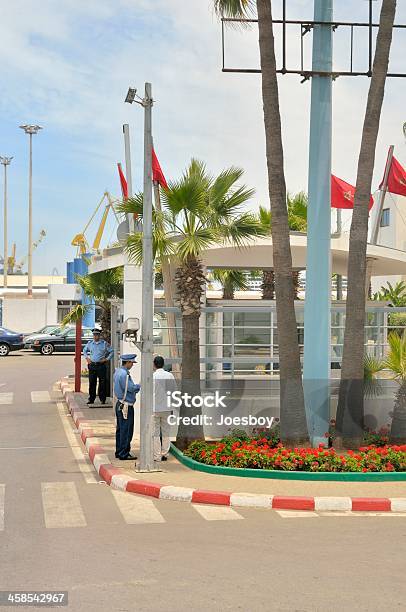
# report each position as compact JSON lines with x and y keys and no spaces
{"x":115,"y":477}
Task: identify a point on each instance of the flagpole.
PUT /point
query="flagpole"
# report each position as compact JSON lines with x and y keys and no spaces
{"x":382,"y":195}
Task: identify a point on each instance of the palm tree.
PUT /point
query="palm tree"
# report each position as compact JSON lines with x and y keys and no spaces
{"x":350,"y":412}
{"x":231,"y":281}
{"x":293,"y":417}
{"x":102,"y":286}
{"x":395,"y":294}
{"x":198,"y":211}
{"x":396,"y":363}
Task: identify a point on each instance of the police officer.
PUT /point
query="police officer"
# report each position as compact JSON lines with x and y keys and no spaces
{"x":125,"y":391}
{"x":98,"y":353}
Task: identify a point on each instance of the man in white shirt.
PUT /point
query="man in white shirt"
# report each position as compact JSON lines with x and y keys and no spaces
{"x":163,"y":382}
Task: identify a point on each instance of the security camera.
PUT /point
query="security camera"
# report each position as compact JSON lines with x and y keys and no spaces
{"x":130,"y":97}
{"x":130,"y":328}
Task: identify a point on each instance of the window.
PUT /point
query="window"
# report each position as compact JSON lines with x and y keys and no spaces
{"x":385,"y":218}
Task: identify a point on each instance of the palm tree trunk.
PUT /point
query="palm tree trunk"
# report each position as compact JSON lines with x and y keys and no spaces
{"x":228,"y":291}
{"x":398,"y":427}
{"x":350,"y":412}
{"x":293,"y":418}
{"x":190,"y":280}
{"x":268,"y":285}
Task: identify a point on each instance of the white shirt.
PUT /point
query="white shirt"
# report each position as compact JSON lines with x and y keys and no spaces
{"x":163,"y":382}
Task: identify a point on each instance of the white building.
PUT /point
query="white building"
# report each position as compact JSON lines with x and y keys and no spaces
{"x":52,"y":299}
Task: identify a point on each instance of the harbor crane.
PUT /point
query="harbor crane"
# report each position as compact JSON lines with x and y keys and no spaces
{"x":80,"y":240}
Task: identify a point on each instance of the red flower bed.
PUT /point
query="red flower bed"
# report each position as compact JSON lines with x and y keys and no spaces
{"x":260,"y":453}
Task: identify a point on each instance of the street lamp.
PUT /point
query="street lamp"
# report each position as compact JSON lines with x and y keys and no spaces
{"x":30,"y":130}
{"x":6,"y":162}
{"x":146,"y":345}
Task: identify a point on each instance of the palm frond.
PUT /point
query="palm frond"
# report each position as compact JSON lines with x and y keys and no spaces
{"x":234,"y":8}
{"x":396,"y":358}
{"x":372,"y":366}
{"x":242,"y":230}
{"x":132,"y":205}
{"x":194,"y":243}
{"x":76,"y":313}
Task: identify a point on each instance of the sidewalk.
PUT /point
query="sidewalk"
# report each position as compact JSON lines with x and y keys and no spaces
{"x":176,"y":481}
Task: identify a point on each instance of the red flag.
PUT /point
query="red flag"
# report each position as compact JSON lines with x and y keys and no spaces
{"x":157,"y":174}
{"x":343,"y":194}
{"x":396,"y":178}
{"x":123,"y":181}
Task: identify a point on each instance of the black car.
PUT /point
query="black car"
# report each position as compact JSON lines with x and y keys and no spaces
{"x":10,"y":341}
{"x":62,"y":341}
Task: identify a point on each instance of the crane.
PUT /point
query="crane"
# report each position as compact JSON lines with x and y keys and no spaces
{"x":80,"y":240}
{"x":19,"y":266}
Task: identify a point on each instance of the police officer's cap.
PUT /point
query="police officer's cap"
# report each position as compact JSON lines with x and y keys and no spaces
{"x":97,"y":330}
{"x":129,"y":357}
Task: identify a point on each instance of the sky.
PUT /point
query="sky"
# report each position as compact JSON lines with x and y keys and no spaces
{"x":67,"y":65}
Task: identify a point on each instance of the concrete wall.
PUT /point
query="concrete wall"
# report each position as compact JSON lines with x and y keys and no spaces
{"x":23,"y":314}
{"x":28,"y":315}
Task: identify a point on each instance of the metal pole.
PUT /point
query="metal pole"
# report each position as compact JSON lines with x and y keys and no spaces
{"x":146,"y":462}
{"x":128,"y":172}
{"x":6,"y":162}
{"x":30,"y":223}
{"x":382,"y":195}
{"x":317,"y":336}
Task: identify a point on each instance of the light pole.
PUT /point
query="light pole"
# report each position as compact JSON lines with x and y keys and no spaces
{"x":30,"y":130}
{"x":146,"y":463}
{"x":6,"y":162}
{"x":317,"y":326}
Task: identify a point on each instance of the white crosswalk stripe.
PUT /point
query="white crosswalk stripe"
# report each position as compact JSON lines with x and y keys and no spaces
{"x":61,"y":505}
{"x":2,"y":497}
{"x":38,"y":397}
{"x":137,"y":510}
{"x":217,"y":513}
{"x":6,"y":398}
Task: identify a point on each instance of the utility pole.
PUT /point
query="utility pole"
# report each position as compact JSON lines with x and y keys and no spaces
{"x":30,"y":130}
{"x":146,"y":344}
{"x":6,"y":162}
{"x":317,"y":339}
{"x":146,"y":451}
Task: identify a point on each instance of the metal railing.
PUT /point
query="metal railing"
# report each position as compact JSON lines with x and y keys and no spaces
{"x":242,"y":341}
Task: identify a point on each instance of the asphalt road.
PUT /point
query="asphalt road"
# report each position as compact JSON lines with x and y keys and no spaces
{"x":62,"y":532}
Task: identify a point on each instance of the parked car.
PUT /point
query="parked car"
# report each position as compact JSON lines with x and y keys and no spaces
{"x":47,"y":330}
{"x":63,"y":341}
{"x":10,"y":341}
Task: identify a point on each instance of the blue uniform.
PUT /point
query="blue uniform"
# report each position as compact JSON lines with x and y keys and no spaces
{"x":125,"y":426}
{"x":120,"y":377}
{"x":97,"y":351}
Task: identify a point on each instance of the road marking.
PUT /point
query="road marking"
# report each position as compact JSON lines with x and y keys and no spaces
{"x":2,"y":497}
{"x":362,"y":513}
{"x":6,"y":398}
{"x":217,"y":513}
{"x":40,"y":397}
{"x":61,"y":505}
{"x":33,"y":447}
{"x":137,"y":510}
{"x":296,"y":513}
{"x":85,"y":465}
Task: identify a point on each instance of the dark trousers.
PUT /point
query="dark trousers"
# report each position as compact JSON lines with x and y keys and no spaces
{"x":97,"y":372}
{"x":124,"y":431}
